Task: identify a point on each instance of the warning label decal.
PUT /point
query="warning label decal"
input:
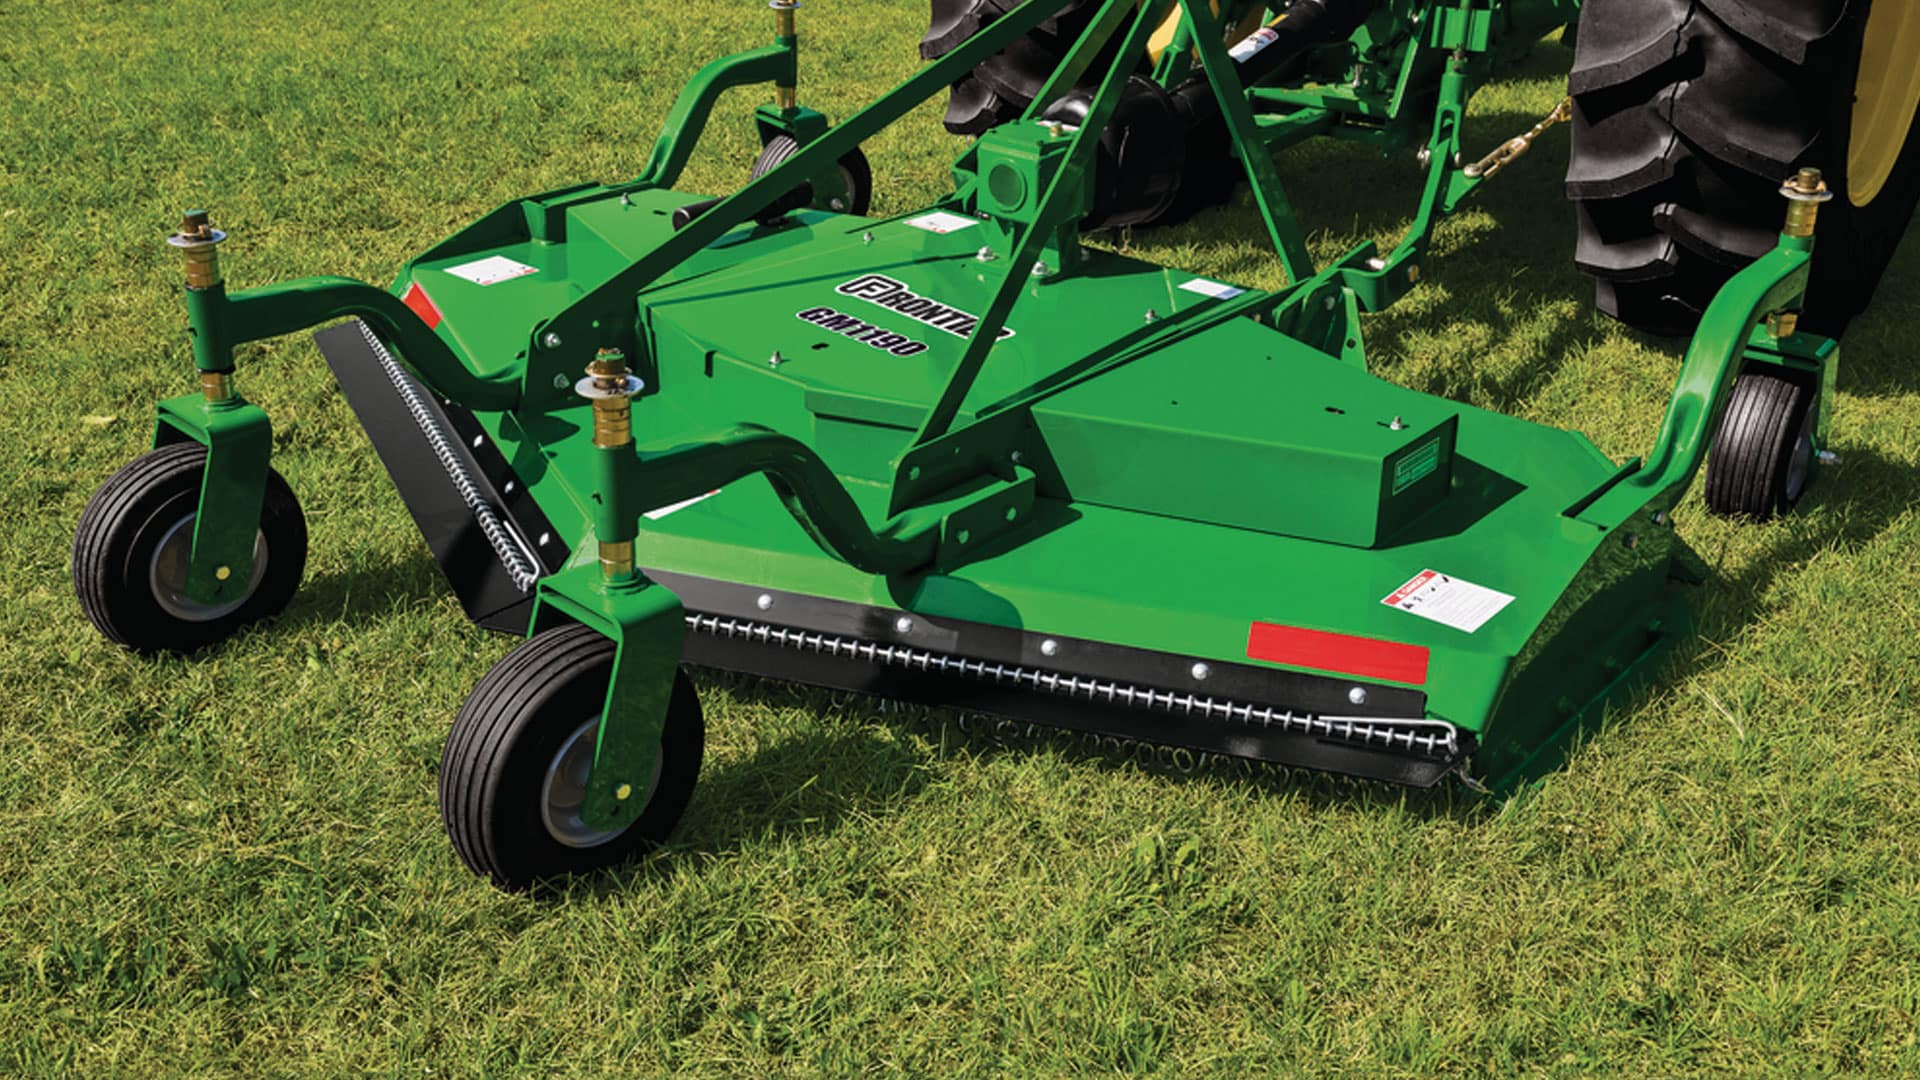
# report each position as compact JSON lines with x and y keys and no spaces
{"x":1448,"y":600}
{"x":491,"y":270}
{"x":941,"y":222}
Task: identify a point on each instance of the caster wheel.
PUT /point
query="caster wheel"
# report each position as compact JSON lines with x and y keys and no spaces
{"x":854,"y":191}
{"x":1762,"y":455}
{"x":131,"y":548}
{"x":513,"y":775}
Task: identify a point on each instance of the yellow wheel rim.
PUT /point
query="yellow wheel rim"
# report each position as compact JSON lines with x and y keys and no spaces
{"x":1884,"y":97}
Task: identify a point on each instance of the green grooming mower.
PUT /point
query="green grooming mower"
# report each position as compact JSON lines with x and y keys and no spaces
{"x":957,"y":456}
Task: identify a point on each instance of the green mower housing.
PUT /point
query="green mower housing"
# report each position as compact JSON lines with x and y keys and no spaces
{"x":957,"y":456}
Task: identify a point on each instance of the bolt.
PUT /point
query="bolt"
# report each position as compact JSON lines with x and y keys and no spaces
{"x":1660,"y":517}
{"x":1017,"y":457}
{"x":1376,"y":263}
{"x":776,"y":359}
{"x":550,"y":341}
{"x":1397,"y":425}
{"x":1357,"y":695}
{"x":838,"y":203}
{"x":1413,"y":273}
{"x":623,"y":792}
{"x":1827,"y":457}
{"x":560,"y":382}
{"x":764,"y":601}
{"x":1049,"y":647}
{"x":223,"y":573}
{"x":1041,"y":269}
{"x":1331,"y":303}
{"x":866,"y":237}
{"x":1632,"y":540}
{"x":1152,"y":316}
{"x":626,"y":199}
{"x":1201,"y":671}
{"x":1424,"y":157}
{"x":985,"y":254}
{"x":903,"y":624}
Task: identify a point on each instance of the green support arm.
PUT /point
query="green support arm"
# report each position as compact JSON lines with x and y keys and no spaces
{"x":1774,"y":282}
{"x":811,"y":493}
{"x":579,"y":322}
{"x":776,"y":63}
{"x":1071,"y":177}
{"x":238,"y":436}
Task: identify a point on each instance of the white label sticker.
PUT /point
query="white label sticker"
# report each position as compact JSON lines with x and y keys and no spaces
{"x":942,"y":222}
{"x":491,"y":270}
{"x":1448,"y":600}
{"x":674,"y":508}
{"x":1215,"y":289}
{"x":1253,"y":43}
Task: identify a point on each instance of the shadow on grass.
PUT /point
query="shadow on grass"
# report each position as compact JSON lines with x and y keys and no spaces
{"x":1849,"y":506}
{"x":366,"y":591}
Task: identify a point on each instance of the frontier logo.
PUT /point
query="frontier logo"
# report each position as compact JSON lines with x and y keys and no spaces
{"x":883,"y":291}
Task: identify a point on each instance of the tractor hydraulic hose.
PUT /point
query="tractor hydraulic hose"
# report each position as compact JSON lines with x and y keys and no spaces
{"x":815,"y":497}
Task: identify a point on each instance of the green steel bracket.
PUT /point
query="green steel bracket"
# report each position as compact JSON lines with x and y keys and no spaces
{"x":1809,"y":357}
{"x":239,"y":437}
{"x":776,"y":63}
{"x":614,"y":298}
{"x":1268,"y":192}
{"x":1465,"y":25}
{"x":239,"y":440}
{"x":801,"y":124}
{"x":1063,"y":191}
{"x":1774,"y":282}
{"x":1378,"y":282}
{"x":967,"y":523}
{"x":646,"y":624}
{"x":816,"y":498}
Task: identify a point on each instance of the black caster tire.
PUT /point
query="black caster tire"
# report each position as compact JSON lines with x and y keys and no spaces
{"x":515,"y":765}
{"x":855,"y":194}
{"x":1762,"y":456}
{"x":130,"y":555}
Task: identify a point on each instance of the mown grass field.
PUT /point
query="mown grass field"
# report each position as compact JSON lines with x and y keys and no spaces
{"x":235,"y":864}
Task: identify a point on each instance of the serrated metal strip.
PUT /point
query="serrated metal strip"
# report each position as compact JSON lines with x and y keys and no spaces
{"x":1433,"y":737}
{"x":508,"y":548}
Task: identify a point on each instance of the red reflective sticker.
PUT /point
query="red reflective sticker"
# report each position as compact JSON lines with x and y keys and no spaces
{"x":416,"y":299}
{"x":1368,"y":658}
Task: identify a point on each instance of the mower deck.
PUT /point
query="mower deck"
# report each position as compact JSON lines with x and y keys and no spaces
{"x":1199,"y":496}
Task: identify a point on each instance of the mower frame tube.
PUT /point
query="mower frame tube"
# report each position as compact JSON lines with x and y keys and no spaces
{"x":687,"y":120}
{"x":613,"y":299}
{"x":238,"y":435}
{"x":808,"y":489}
{"x":1776,"y":281}
{"x":1071,"y":178}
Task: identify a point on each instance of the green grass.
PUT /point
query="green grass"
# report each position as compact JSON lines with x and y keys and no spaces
{"x":235,"y":864}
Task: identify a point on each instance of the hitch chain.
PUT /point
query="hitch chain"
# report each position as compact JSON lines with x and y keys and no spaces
{"x":1506,"y":152}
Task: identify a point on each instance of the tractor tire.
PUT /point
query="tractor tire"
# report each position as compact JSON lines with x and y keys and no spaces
{"x":130,"y":556}
{"x":514,"y":767}
{"x":1688,"y":115}
{"x":1002,"y":86}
